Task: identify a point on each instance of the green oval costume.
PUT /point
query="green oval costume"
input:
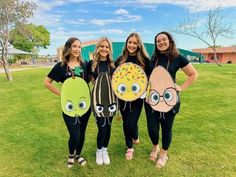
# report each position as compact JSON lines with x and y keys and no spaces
{"x":75,"y":97}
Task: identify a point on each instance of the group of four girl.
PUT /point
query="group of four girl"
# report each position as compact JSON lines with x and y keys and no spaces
{"x":165,"y":54}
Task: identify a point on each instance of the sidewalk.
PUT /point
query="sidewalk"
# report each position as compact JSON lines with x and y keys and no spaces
{"x":34,"y":67}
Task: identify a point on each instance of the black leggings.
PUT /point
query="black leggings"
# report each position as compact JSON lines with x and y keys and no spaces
{"x":76,"y":131}
{"x":104,"y":131}
{"x":154,"y":119}
{"x":130,"y":112}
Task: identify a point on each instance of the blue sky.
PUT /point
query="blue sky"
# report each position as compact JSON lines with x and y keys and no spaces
{"x":116,"y":19}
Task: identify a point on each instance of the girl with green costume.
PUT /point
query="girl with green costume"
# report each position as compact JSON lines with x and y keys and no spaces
{"x":76,"y":107}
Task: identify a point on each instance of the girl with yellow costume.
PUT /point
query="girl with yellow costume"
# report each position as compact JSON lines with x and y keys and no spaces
{"x":134,"y":52}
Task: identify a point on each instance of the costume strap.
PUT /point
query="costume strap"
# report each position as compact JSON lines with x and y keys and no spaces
{"x":108,"y":68}
{"x":167,"y":66}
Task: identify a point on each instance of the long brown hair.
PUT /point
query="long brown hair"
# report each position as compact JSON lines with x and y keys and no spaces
{"x":141,"y":51}
{"x":67,"y":50}
{"x":171,"y":52}
{"x":96,"y":55}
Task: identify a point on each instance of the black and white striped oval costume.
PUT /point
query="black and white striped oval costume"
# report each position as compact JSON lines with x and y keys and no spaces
{"x":104,"y":102}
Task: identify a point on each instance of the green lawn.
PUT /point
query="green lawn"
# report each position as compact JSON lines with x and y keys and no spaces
{"x":33,"y":137}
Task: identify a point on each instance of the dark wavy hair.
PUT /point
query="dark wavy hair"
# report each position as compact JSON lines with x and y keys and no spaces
{"x":67,"y":50}
{"x":172,"y":52}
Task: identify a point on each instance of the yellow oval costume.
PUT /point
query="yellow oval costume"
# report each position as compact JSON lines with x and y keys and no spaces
{"x":129,"y":82}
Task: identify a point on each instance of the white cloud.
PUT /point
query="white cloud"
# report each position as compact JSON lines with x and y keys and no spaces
{"x":76,"y":22}
{"x":48,"y":20}
{"x":45,"y":15}
{"x":62,"y":34}
{"x":193,"y":5}
{"x":113,"y":31}
{"x":63,"y":24}
{"x":47,"y":6}
{"x":123,"y":17}
{"x":80,"y":1}
{"x":126,"y":15}
{"x":102,"y":22}
{"x":121,"y":12}
{"x":134,"y":18}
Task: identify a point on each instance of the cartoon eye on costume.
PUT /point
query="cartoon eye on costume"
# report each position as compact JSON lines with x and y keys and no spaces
{"x":69,"y":106}
{"x":99,"y":109}
{"x":135,"y":88}
{"x":112,"y":108}
{"x":82,"y":104}
{"x":155,"y":97}
{"x":168,"y":96}
{"x":122,"y":88}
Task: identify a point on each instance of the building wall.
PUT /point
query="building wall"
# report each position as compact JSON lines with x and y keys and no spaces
{"x":229,"y":57}
{"x":222,"y":58}
{"x":210,"y":57}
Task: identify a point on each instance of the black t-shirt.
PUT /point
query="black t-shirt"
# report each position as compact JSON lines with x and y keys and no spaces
{"x":174,"y":65}
{"x":103,"y":66}
{"x":60,"y":73}
{"x":133,"y":59}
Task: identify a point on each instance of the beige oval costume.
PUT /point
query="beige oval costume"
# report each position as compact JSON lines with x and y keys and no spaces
{"x":161,"y":93}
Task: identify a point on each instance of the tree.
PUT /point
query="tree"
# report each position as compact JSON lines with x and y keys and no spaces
{"x":12,"y":13}
{"x":28,"y":36}
{"x":215,"y":27}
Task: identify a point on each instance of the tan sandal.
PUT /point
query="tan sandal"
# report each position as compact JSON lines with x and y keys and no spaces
{"x":129,"y":154}
{"x":161,"y":162}
{"x":154,"y":154}
{"x":135,"y":141}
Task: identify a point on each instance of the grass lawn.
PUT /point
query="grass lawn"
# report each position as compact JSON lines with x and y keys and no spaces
{"x":33,"y":137}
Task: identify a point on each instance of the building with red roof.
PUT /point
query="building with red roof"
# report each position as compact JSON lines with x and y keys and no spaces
{"x":224,"y":54}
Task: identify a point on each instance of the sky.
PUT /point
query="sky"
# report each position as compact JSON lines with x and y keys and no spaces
{"x":116,"y":19}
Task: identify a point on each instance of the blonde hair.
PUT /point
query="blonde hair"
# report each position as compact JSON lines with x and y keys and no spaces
{"x":141,"y":51}
{"x":67,"y":50}
{"x":96,"y":55}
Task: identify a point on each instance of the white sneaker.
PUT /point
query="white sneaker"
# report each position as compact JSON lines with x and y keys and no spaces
{"x":99,"y":160}
{"x":105,"y":156}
